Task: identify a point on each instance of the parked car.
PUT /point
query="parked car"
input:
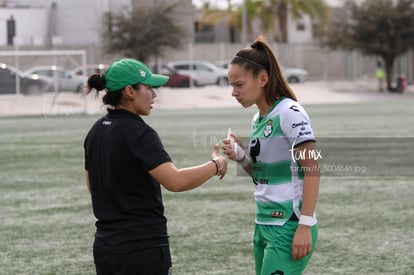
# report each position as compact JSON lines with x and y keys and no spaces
{"x":223,"y":64}
{"x":294,"y":75}
{"x":201,"y":72}
{"x":28,"y":85}
{"x":54,"y":75}
{"x":176,"y":79}
{"x":90,"y":69}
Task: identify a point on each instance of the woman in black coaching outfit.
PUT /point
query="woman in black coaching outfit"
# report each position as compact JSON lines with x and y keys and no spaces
{"x":125,"y":164}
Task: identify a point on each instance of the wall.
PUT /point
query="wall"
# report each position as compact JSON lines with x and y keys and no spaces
{"x":77,"y":22}
{"x":296,"y":36}
{"x":30,"y":26}
{"x":321,"y":64}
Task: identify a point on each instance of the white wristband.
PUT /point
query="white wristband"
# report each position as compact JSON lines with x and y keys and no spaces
{"x":246,"y":161}
{"x":240,"y":154}
{"x":306,"y":220}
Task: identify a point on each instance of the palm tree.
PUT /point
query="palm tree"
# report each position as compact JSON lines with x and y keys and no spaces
{"x":254,"y":9}
{"x":316,"y":9}
{"x":213,"y":16}
{"x":232,"y":16}
{"x":269,"y":12}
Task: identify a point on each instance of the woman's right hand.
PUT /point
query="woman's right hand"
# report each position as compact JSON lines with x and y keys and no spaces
{"x":222,"y":161}
{"x":227,"y":146}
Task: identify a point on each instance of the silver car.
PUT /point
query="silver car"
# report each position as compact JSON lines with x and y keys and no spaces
{"x":201,"y":72}
{"x":59,"y":78}
{"x":11,"y":78}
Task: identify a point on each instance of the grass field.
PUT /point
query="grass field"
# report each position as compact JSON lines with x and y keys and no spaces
{"x":47,"y":227}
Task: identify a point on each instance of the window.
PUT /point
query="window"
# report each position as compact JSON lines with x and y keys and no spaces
{"x":202,"y":67}
{"x":182,"y":67}
{"x":300,"y":26}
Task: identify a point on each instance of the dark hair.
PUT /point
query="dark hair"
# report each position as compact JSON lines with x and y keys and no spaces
{"x":97,"y":82}
{"x":259,"y":56}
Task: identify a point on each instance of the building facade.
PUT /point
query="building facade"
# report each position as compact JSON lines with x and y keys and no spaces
{"x":76,"y":24}
{"x":55,"y":23}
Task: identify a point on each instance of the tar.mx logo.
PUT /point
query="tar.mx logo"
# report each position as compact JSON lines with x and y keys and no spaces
{"x":302,"y":154}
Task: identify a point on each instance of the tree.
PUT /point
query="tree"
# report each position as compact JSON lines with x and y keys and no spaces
{"x":212,"y":16}
{"x":142,"y":32}
{"x":254,"y":10}
{"x":316,"y":9}
{"x":383,"y":28}
{"x":232,"y":16}
{"x":268,"y":12}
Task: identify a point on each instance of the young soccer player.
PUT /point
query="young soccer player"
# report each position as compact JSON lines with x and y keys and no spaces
{"x":280,"y":161}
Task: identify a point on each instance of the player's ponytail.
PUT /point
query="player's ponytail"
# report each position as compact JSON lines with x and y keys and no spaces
{"x":97,"y":82}
{"x":277,"y":85}
{"x":259,"y":56}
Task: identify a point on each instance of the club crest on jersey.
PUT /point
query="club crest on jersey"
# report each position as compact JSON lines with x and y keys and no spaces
{"x":268,"y":129}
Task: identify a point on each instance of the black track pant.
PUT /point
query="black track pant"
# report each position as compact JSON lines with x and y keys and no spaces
{"x":150,"y":261}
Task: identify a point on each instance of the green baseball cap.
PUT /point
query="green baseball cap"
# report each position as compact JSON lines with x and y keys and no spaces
{"x":129,"y":71}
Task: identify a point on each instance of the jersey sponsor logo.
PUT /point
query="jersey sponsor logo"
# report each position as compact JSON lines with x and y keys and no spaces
{"x":301,"y":124}
{"x":254,"y":149}
{"x":294,"y":108}
{"x":268,"y":129}
{"x":106,"y":122}
{"x":301,"y":134}
{"x":260,"y":181}
{"x":277,"y":214}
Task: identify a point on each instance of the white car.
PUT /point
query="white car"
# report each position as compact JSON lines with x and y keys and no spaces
{"x":57,"y":77}
{"x":201,"y":72}
{"x":223,"y":64}
{"x":294,"y":75}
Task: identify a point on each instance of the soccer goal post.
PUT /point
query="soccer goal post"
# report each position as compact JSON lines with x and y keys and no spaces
{"x":17,"y":56}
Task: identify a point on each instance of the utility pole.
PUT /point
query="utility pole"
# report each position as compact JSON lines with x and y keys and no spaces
{"x":244,"y":23}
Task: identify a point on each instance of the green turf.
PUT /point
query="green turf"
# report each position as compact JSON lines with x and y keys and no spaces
{"x":47,"y":225}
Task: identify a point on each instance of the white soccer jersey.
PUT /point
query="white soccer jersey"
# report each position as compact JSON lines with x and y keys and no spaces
{"x":276,"y":171}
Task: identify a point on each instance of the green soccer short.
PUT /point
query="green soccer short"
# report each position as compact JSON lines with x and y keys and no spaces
{"x":273,"y":249}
